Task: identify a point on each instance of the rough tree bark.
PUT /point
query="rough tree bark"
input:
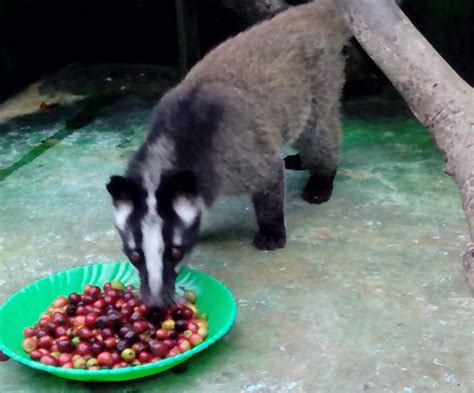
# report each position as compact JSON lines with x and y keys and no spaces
{"x":436,"y":95}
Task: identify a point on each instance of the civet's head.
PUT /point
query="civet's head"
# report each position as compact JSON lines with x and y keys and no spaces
{"x":158,"y":227}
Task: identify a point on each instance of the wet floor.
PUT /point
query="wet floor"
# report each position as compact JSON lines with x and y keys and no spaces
{"x":368,"y":296}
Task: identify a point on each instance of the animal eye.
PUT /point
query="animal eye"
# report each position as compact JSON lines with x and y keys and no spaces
{"x":135,"y":257}
{"x":176,"y":253}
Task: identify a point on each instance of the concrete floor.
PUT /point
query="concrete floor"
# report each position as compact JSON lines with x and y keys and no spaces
{"x":368,"y":296}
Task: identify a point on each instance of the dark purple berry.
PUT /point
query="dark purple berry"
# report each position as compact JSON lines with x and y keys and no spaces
{"x":71,"y":309}
{"x":181,"y":325}
{"x":115,"y":320}
{"x":97,"y":347}
{"x":121,"y":345}
{"x":87,"y":299}
{"x":124,"y":330}
{"x":110,"y":308}
{"x":101,"y":322}
{"x":136,"y":316}
{"x":51,"y":328}
{"x":65,"y":345}
{"x":74,"y":298}
{"x":178,"y":314}
{"x":130,"y":336}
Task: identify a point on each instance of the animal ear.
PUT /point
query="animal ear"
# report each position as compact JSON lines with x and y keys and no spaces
{"x":123,"y":189}
{"x":181,"y":183}
{"x":184,"y":183}
{"x":185,"y":197}
{"x":178,"y":186}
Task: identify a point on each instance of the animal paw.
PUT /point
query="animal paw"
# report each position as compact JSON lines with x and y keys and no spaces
{"x":316,"y":196}
{"x":269,"y":241}
{"x":318,"y":189}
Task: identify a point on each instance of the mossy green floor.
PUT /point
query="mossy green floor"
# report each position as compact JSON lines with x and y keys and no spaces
{"x":369,"y":294}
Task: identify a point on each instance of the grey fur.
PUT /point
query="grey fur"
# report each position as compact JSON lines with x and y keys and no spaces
{"x":223,"y":126}
{"x":279,"y":82}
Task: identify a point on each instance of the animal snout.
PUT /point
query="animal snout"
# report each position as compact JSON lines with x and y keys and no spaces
{"x":164,"y":299}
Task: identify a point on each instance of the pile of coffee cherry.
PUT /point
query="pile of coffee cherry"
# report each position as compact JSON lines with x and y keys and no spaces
{"x":113,"y":328}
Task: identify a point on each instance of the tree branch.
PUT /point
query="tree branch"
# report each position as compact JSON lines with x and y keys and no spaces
{"x":437,"y":96}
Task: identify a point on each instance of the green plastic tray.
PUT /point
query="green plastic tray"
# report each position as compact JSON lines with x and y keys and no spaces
{"x":24,"y":307}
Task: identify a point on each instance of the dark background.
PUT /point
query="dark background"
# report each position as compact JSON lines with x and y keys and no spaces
{"x":38,"y":37}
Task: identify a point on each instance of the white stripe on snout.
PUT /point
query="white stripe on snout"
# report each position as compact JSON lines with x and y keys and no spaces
{"x":186,"y":210}
{"x":153,"y":250}
{"x":122,"y":212}
{"x":153,"y":246}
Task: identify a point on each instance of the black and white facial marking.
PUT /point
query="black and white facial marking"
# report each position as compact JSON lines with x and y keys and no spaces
{"x":158,"y":226}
